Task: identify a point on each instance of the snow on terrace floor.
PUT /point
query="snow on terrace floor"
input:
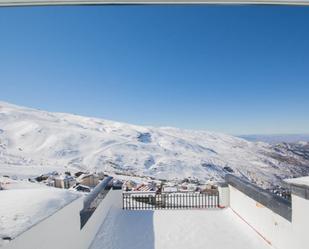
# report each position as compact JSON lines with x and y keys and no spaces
{"x":171,"y":229}
{"x":22,"y":208}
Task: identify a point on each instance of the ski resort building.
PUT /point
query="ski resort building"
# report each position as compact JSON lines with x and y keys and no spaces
{"x":239,"y":215}
{"x":64,"y":181}
{"x":90,"y":180}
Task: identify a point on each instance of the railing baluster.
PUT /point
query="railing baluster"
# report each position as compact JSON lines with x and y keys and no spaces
{"x":130,"y":202}
{"x":209,"y":197}
{"x":211,"y":200}
{"x":156,"y":201}
{"x":217,"y":200}
{"x":198,"y":196}
{"x":193,"y":201}
{"x":188,"y":205}
{"x":180,"y":200}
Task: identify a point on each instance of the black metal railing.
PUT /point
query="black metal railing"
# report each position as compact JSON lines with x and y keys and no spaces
{"x":94,"y":198}
{"x":179,"y":200}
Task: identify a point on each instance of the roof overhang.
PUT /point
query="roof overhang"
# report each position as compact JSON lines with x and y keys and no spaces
{"x":104,"y":2}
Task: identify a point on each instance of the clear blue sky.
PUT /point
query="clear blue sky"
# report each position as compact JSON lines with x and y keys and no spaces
{"x":238,"y":70}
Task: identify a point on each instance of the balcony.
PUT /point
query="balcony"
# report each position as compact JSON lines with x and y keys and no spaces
{"x":241,"y":216}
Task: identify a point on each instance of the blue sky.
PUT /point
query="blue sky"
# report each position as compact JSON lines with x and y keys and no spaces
{"x":233,"y":69}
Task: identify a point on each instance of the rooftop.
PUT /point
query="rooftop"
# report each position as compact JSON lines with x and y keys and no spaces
{"x":237,"y":215}
{"x":176,"y":229}
{"x":21,"y":207}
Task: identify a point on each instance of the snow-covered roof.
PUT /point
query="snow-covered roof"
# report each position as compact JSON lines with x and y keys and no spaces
{"x":299,"y":181}
{"x":170,"y":189}
{"x":82,"y":186}
{"x":179,"y":229}
{"x":8,"y":183}
{"x":82,"y":176}
{"x":22,"y":208}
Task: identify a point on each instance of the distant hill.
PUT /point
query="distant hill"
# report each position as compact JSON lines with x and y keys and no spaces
{"x":273,"y":139}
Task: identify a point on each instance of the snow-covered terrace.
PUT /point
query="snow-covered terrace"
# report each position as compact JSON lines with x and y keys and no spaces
{"x":176,"y":229}
{"x":248,"y":218}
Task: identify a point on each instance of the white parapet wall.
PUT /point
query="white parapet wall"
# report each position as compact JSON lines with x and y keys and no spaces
{"x":275,"y":229}
{"x":224,"y":196}
{"x":271,"y":220}
{"x":62,"y":229}
{"x":300,"y":222}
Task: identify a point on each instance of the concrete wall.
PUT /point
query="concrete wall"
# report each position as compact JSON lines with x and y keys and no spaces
{"x":224,"y":196}
{"x":276,"y":230}
{"x":62,"y":230}
{"x":272,"y":227}
{"x":300,"y":222}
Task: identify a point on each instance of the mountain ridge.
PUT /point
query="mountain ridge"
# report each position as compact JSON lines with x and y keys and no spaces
{"x":41,"y":140}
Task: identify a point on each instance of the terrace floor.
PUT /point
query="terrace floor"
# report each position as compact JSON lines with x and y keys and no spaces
{"x":176,"y":229}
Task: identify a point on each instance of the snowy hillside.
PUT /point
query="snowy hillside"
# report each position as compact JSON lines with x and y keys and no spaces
{"x":34,"y":141}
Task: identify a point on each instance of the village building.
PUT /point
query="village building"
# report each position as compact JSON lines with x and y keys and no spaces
{"x":82,"y":188}
{"x":64,"y":181}
{"x":169,"y":189}
{"x":144,"y":187}
{"x":50,"y":182}
{"x":90,"y":180}
{"x":77,"y":174}
{"x":117,"y":184}
{"x":187,"y":188}
{"x":129,"y":185}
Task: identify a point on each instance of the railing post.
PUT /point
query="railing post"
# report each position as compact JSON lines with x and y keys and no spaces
{"x":223,"y":195}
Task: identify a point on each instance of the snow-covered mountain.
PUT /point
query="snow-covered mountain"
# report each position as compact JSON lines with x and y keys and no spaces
{"x":33,"y":141}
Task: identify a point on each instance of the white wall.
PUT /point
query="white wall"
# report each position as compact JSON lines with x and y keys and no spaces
{"x":279,"y":232}
{"x":300,"y":222}
{"x":112,"y":200}
{"x":224,"y":196}
{"x":62,"y":230}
